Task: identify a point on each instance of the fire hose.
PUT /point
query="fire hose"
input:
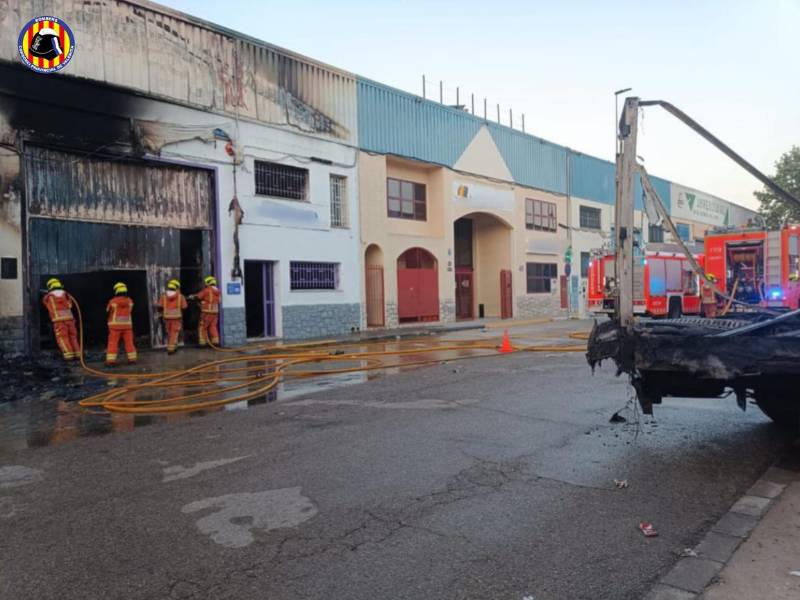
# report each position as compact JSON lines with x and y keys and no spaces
{"x":258,"y":368}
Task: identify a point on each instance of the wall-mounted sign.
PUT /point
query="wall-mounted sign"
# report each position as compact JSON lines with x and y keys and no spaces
{"x":234,"y":288}
{"x":472,"y":195}
{"x":696,"y":206}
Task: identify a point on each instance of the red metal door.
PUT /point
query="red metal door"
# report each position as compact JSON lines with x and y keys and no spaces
{"x":506,"y":303}
{"x":464,"y":294}
{"x":564,"y":293}
{"x":374,"y":289}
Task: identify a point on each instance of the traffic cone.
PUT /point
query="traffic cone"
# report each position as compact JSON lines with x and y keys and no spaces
{"x":506,"y":346}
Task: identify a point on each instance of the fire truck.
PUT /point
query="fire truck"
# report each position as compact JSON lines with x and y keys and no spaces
{"x":663,"y":282}
{"x":757,"y":266}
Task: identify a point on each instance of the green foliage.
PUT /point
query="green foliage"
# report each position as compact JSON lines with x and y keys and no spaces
{"x":775,"y":209}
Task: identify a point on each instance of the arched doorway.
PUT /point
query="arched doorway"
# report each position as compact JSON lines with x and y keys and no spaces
{"x":482,"y":253}
{"x":373,"y":285}
{"x":417,"y":286}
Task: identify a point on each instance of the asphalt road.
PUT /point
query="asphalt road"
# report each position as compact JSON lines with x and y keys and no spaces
{"x":491,"y":478}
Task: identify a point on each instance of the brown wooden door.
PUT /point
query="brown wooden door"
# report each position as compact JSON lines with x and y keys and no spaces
{"x":374,"y":285}
{"x":506,"y":302}
{"x":464,"y":293}
{"x":564,"y":292}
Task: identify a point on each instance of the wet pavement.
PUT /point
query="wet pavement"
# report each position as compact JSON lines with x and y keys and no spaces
{"x":484,"y":478}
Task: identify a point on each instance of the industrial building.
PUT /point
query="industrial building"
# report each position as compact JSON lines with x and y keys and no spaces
{"x":323,"y":202}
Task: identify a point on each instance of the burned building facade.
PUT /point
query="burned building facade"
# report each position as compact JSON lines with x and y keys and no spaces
{"x":172,"y":148}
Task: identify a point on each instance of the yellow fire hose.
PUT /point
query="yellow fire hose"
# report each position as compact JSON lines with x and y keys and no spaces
{"x":258,"y":368}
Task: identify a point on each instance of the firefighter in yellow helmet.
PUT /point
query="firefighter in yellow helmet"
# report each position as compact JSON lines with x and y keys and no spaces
{"x":120,"y":325}
{"x":209,"y":298}
{"x":59,"y":306}
{"x":172,"y":304}
{"x":709,"y":297}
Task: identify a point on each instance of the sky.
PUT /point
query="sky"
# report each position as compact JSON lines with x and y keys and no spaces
{"x":732,"y":65}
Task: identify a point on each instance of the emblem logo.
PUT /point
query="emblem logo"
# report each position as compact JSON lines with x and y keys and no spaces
{"x":46,"y":44}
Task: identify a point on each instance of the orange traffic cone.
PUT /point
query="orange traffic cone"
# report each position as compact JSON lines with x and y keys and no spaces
{"x":506,"y":346}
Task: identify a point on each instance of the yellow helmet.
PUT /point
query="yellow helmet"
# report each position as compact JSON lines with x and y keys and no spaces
{"x":210,"y":280}
{"x":120,"y":288}
{"x":173,"y":284}
{"x":710,"y":277}
{"x":54,"y":284}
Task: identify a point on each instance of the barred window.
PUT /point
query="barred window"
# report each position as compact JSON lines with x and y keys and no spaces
{"x":282,"y":181}
{"x":313,"y":275}
{"x":590,"y":217}
{"x":405,"y":199}
{"x":540,"y":215}
{"x":539,"y":276}
{"x":655,"y":234}
{"x":339,"y":201}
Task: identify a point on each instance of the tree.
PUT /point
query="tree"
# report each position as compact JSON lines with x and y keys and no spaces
{"x":775,"y":209}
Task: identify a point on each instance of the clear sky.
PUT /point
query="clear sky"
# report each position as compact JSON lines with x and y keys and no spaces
{"x":733,"y":65}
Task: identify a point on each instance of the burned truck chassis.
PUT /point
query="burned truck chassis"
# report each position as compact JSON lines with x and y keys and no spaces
{"x":749,"y":356}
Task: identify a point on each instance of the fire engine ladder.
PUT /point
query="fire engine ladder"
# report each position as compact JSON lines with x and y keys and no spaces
{"x":772,"y":276}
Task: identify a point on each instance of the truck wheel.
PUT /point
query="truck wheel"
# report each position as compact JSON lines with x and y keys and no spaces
{"x":785,"y":412}
{"x":675,"y":310}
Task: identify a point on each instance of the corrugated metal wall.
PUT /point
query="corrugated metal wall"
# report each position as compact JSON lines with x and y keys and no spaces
{"x":59,"y":247}
{"x":592,"y":178}
{"x":532,"y":161}
{"x":393,"y":122}
{"x":154,"y":50}
{"x":71,"y":186}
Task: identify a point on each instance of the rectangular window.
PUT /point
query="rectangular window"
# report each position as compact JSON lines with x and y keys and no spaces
{"x":539,"y":276}
{"x":281,"y":181}
{"x":684,"y":231}
{"x":540,"y":215}
{"x":655,"y":234}
{"x":314,"y":275}
{"x":8,"y":268}
{"x":586,"y":258}
{"x":590,"y":218}
{"x":405,"y":199}
{"x":339,"y":216}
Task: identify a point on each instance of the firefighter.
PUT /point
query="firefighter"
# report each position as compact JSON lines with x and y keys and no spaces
{"x":709,"y":298}
{"x":59,"y":304}
{"x":209,"y":312}
{"x":120,"y":325}
{"x":172,"y":304}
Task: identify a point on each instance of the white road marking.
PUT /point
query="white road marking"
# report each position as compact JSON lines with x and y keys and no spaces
{"x":231,"y":526}
{"x":16,"y":475}
{"x":178,"y":472}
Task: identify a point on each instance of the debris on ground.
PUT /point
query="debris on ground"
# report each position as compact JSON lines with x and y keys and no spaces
{"x":688,"y":552}
{"x":621,"y":483}
{"x":795,"y":573}
{"x":618,"y":418}
{"x":647,"y":529}
{"x":35,"y":377}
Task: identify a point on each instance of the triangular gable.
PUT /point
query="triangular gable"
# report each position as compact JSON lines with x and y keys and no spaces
{"x":482,"y":157}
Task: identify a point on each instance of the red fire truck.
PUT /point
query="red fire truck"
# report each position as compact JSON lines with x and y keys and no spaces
{"x":757,"y":266}
{"x":663,"y":282}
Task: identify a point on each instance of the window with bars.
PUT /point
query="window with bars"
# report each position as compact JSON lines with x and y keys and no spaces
{"x":339,"y":215}
{"x":313,"y":275}
{"x":590,"y":217}
{"x":281,"y":181}
{"x":405,"y":199}
{"x":655,"y":234}
{"x":540,"y":215}
{"x":539,"y":276}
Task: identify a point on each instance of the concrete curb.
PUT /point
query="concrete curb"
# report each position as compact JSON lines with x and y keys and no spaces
{"x":692,"y":574}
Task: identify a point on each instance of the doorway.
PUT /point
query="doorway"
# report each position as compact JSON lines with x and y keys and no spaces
{"x":463,"y":257}
{"x":259,"y":298}
{"x":417,"y":286}
{"x":373,"y":260}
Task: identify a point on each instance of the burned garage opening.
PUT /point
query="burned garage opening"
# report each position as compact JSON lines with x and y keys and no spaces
{"x":93,"y":221}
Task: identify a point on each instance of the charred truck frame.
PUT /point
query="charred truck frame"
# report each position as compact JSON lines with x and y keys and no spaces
{"x":754,"y":353}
